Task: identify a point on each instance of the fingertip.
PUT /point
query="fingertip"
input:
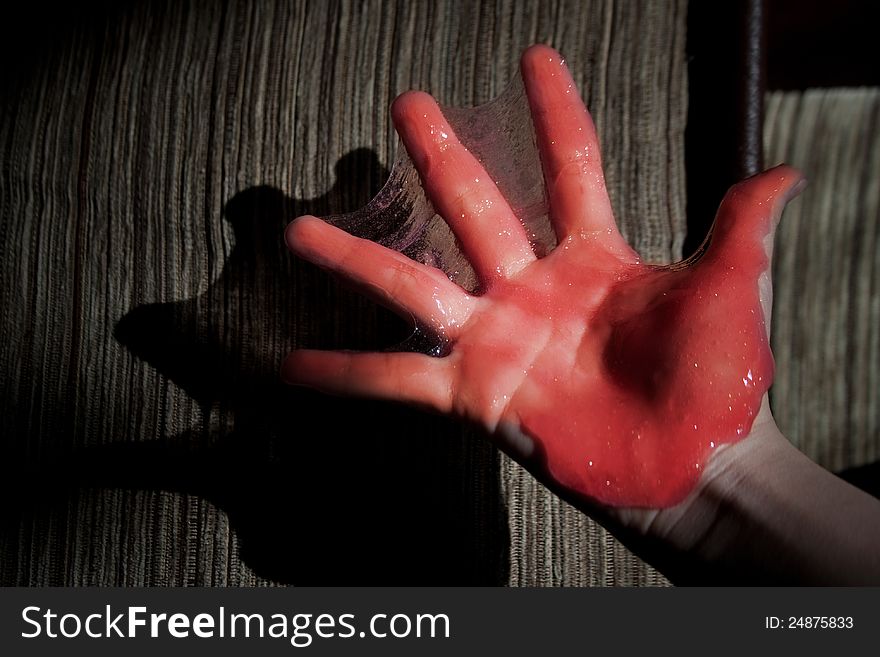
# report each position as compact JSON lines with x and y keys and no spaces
{"x":289,"y":368}
{"x":798,"y":187}
{"x":780,"y":183}
{"x":540,"y":65}
{"x":294,"y":230}
{"x":795,"y":178}
{"x":539,"y":55}
{"x":412,"y":105}
{"x":301,"y":232}
{"x":785,"y":172}
{"x":789,"y":176}
{"x":308,"y":367}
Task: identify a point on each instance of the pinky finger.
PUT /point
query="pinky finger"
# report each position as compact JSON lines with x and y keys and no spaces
{"x":406,"y":377}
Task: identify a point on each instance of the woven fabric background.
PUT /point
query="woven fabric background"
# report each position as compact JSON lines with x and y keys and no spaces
{"x":826,"y":274}
{"x":152,"y":154}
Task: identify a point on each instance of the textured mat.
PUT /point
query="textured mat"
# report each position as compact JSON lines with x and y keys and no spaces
{"x":151,"y":156}
{"x":826,"y":310}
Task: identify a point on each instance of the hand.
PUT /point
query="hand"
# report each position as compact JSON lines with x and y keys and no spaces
{"x":612,"y":380}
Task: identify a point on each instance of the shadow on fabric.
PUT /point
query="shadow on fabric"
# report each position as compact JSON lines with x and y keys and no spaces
{"x":319,"y":490}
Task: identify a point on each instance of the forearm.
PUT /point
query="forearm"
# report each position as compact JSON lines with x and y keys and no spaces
{"x":766,"y":514}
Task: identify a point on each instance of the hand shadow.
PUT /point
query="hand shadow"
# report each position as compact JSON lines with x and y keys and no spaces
{"x":319,"y":490}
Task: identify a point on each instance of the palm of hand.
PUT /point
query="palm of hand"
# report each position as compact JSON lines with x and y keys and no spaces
{"x":611,"y":379}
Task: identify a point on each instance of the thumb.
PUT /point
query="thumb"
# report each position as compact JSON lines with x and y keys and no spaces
{"x":749,"y":213}
{"x":740,"y":244}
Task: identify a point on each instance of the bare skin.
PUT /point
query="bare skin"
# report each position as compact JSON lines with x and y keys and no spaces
{"x":636,"y":392}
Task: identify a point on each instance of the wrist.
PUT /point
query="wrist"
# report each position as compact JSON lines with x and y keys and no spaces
{"x":765,"y":513}
{"x":734,"y":485}
{"x":691,"y":541}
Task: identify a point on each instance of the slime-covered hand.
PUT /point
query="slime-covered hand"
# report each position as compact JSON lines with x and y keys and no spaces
{"x":612,"y":380}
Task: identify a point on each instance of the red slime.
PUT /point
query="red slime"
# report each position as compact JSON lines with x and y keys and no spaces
{"x":611,"y":378}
